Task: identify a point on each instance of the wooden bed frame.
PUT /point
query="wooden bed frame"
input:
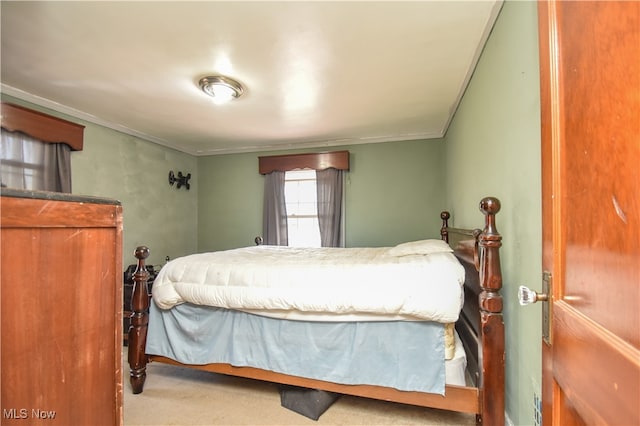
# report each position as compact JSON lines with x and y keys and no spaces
{"x":481,"y":329}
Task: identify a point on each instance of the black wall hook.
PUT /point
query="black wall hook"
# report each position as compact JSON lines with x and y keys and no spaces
{"x":181,"y":179}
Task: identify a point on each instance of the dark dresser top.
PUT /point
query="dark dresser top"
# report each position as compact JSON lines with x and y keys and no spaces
{"x":55,"y":196}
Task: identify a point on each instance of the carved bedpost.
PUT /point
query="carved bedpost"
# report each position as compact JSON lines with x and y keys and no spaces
{"x":493,"y":357}
{"x":139,"y":323}
{"x":444,"y":231}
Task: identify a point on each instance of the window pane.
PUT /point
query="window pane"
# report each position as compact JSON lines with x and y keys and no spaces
{"x":302,"y":211}
{"x":304,"y":232}
{"x":21,"y":161}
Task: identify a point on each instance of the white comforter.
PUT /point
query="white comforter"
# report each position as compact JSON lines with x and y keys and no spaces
{"x":317,"y":284}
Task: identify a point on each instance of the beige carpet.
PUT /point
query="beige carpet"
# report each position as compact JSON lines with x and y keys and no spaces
{"x":180,"y":396}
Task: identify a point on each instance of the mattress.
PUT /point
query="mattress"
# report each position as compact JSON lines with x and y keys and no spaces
{"x":404,"y":282}
{"x":456,"y":367}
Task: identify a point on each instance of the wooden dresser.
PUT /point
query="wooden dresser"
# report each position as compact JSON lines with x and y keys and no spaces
{"x":61,"y":304}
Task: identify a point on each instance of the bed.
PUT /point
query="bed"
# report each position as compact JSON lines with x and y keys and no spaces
{"x":411,"y":353}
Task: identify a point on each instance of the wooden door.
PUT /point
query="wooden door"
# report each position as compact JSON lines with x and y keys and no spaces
{"x":590,"y":99}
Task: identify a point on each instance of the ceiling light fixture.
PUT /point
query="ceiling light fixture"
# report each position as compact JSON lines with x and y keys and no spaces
{"x":220,"y":88}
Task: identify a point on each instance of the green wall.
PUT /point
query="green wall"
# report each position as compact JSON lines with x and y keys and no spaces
{"x":394,"y":192}
{"x":493,"y":148}
{"x":135,"y":172}
{"x":230,"y":201}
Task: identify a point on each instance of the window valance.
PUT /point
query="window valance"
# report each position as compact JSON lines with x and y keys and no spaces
{"x":317,"y":161}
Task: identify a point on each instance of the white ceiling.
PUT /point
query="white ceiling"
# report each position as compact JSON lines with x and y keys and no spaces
{"x":316,"y":73}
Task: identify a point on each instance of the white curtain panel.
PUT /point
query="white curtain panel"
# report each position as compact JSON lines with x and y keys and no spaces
{"x":28,"y":163}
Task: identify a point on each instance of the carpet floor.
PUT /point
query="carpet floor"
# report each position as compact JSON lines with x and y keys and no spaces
{"x":180,"y":396}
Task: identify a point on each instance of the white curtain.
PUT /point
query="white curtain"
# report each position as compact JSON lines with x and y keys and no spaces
{"x":28,"y":163}
{"x":329,"y":183}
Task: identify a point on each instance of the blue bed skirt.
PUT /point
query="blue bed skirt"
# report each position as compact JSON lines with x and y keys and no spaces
{"x":405,"y":355}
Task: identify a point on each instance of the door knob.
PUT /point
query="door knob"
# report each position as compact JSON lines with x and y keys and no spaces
{"x":526,"y":296}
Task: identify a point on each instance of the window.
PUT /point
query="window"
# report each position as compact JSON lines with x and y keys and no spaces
{"x":22,"y":159}
{"x":27,"y":163}
{"x":36,"y":149}
{"x":312,"y":211}
{"x":302,"y":208}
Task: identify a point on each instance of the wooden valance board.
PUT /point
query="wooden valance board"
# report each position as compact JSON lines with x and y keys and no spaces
{"x":43,"y":127}
{"x":316,"y":161}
